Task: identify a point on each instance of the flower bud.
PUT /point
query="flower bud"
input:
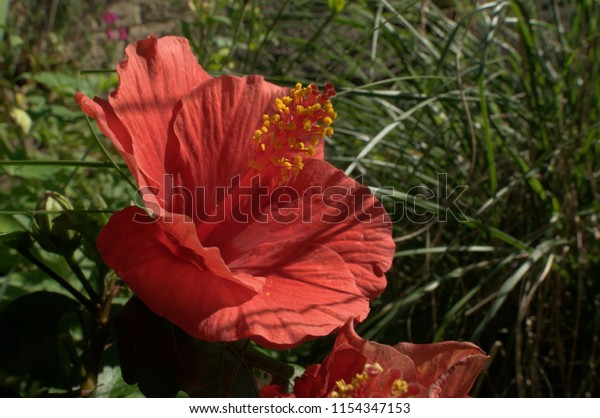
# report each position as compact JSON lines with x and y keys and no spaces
{"x":53,"y":238}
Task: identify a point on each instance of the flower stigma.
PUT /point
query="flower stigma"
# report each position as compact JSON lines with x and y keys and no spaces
{"x":302,"y":119}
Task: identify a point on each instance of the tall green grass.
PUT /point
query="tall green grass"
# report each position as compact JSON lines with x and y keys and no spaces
{"x":477,"y":126}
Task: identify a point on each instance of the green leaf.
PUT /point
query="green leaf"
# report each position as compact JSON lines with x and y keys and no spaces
{"x":34,"y":172}
{"x":3,"y":16}
{"x":16,"y":240}
{"x":163,"y":360}
{"x":58,"y":82}
{"x":35,"y":338}
{"x":112,"y":385}
{"x":336,"y":6}
{"x":8,"y":224}
{"x":511,"y":282}
{"x":64,"y":112}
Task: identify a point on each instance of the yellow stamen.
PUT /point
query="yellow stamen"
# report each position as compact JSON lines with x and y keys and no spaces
{"x":399,"y":388}
{"x":303,"y":117}
{"x":345,"y":390}
{"x":372,"y":382}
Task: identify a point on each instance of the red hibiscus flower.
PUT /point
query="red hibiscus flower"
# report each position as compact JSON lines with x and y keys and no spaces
{"x":357,"y":368}
{"x":250,"y":233}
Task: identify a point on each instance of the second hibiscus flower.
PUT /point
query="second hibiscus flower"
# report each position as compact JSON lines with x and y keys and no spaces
{"x":251,"y":234}
{"x":357,"y":368}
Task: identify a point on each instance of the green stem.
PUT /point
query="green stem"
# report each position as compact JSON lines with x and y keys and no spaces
{"x":98,"y":339}
{"x":236,"y":368}
{"x":66,"y":285}
{"x":107,"y":154}
{"x":84,"y":281}
{"x":236,"y":32}
{"x":97,"y":344}
{"x":267,"y":33}
{"x":60,"y":163}
{"x":309,"y":44}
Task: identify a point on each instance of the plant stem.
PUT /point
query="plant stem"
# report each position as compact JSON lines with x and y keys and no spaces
{"x":236,"y":368}
{"x":84,"y":281}
{"x":99,"y":335}
{"x":61,"y":281}
{"x":98,"y":339}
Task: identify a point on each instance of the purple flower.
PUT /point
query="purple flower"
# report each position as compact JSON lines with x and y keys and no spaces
{"x":109,"y":18}
{"x":111,"y":34}
{"x":124,"y":33}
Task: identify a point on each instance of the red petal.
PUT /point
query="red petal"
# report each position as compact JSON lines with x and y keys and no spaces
{"x":359,"y":232}
{"x":312,"y":383}
{"x":165,"y":265}
{"x":458,"y":380}
{"x":309,"y":292}
{"x":138,"y":115}
{"x":343,"y":363}
{"x":153,"y":79}
{"x":387,"y":356}
{"x":452,"y":365}
{"x":104,"y":115}
{"x":112,"y":127}
{"x":214,"y":129}
{"x":363,"y":238}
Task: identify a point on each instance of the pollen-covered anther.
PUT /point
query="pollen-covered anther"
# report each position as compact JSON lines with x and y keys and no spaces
{"x":258,"y":136}
{"x":301,"y":120}
{"x":373,"y":382}
{"x":298,"y":164}
{"x":399,"y":388}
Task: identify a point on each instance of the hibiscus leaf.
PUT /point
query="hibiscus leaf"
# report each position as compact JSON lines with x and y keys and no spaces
{"x":36,"y":341}
{"x":16,"y":239}
{"x":163,"y":360}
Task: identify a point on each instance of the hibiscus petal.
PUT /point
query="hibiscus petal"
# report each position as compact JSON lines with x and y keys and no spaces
{"x":307,"y":294}
{"x":214,"y":129}
{"x":458,"y":380}
{"x":325,"y":207}
{"x":362,"y":236}
{"x":310,"y":385}
{"x":385,"y":355}
{"x":344,"y":363}
{"x":138,"y":115}
{"x":274,"y":391}
{"x":165,"y":265}
{"x":153,"y":79}
{"x":110,"y":125}
{"x":452,"y":365}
